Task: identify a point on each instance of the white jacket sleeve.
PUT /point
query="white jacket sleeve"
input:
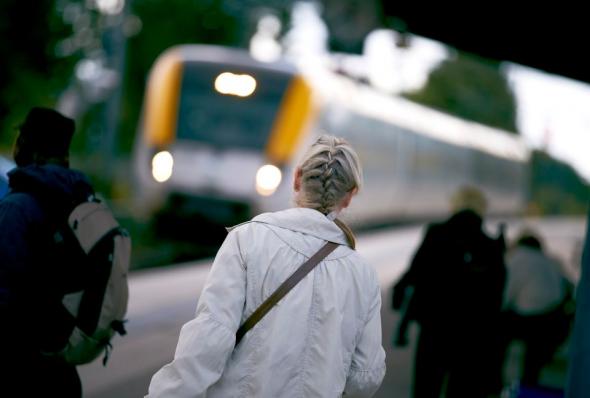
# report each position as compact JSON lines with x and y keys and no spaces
{"x":368,"y":361}
{"x":206,"y":342}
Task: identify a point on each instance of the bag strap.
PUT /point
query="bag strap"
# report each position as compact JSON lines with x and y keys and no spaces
{"x":283,"y":289}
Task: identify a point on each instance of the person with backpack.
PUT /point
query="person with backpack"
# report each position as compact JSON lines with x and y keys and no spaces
{"x":456,"y":279}
{"x":41,"y":265}
{"x":323,"y":338}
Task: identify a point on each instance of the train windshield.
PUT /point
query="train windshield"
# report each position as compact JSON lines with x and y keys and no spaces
{"x":227,"y":106}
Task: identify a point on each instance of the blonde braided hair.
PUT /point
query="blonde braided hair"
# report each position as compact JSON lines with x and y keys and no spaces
{"x":329,"y":170}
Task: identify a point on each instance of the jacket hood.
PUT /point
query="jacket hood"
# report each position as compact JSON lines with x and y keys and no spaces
{"x":304,"y":220}
{"x":52,"y":184}
{"x":466,"y":220}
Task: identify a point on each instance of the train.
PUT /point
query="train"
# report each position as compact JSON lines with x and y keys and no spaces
{"x":221,"y":134}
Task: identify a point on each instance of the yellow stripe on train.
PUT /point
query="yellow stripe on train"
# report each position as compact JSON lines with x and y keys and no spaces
{"x":295,"y":111}
{"x":161,"y":112}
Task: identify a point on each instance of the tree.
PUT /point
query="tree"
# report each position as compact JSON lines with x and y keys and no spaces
{"x":350,"y":21}
{"x":471,"y":88}
{"x":31,"y":73}
{"x":556,"y":187}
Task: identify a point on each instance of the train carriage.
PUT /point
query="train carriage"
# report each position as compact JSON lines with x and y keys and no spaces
{"x":221,"y":133}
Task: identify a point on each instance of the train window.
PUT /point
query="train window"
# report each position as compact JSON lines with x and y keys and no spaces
{"x":222,"y":120}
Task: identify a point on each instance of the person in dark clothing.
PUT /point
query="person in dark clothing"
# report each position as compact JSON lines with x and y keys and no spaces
{"x":578,"y":382}
{"x":35,"y":270}
{"x":538,"y":297}
{"x":457,"y":277}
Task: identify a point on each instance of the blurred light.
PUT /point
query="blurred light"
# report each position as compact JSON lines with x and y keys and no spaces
{"x":268,"y":179}
{"x":84,"y":38}
{"x":71,"y":13}
{"x":383,"y":60}
{"x":264,"y":45}
{"x":132,"y":25}
{"x":88,"y":69}
{"x":162,"y":165}
{"x":308,"y":36}
{"x":96,"y":80}
{"x":65,"y":48}
{"x":233,"y":84}
{"x":393,"y":68}
{"x":111,"y":7}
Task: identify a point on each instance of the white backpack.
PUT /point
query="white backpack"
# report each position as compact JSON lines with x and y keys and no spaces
{"x":99,"y":308}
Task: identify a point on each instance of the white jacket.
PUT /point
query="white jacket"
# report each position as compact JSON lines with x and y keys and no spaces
{"x":323,"y":339}
{"x":535,"y":284}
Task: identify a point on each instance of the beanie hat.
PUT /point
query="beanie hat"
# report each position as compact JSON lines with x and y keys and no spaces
{"x":46,"y":132}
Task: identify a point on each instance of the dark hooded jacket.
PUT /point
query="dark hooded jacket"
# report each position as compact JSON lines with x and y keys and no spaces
{"x":458,"y":274}
{"x":37,"y":264}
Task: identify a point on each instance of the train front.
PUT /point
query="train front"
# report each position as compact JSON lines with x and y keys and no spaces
{"x":215,"y":139}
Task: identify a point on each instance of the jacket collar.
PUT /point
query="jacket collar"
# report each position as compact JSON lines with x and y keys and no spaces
{"x":304,"y":220}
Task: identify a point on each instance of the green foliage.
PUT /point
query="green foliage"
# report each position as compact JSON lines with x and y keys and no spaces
{"x":471,"y":88}
{"x":350,"y":21}
{"x":556,"y":188}
{"x":30,"y":72}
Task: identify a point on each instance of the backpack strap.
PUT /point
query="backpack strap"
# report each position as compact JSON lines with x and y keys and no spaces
{"x":283,"y":289}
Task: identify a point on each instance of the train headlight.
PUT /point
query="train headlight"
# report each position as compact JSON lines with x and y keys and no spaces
{"x":233,"y":84}
{"x":162,"y":164}
{"x":268,"y":178}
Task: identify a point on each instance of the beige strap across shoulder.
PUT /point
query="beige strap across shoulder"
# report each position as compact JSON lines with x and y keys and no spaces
{"x":283,"y":289}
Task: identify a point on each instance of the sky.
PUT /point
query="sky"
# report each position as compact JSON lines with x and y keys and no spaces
{"x":554,"y":114}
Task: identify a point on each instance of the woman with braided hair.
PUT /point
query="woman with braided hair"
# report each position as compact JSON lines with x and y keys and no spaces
{"x":327,"y":179}
{"x":323,"y":338}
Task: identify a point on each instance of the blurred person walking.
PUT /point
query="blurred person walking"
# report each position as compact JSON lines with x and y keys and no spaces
{"x":323,"y":339}
{"x":34,"y":272}
{"x":578,"y":382}
{"x":537,"y":298}
{"x":457,"y":277}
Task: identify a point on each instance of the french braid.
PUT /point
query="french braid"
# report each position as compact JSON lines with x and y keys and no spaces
{"x":329,"y":170}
